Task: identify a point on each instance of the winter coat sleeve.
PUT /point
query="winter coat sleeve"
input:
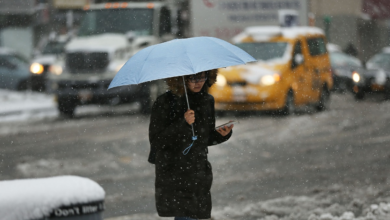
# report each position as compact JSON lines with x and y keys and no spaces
{"x":164,"y":133}
{"x":215,"y":137}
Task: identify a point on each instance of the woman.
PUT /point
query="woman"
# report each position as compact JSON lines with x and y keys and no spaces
{"x":183,"y":182}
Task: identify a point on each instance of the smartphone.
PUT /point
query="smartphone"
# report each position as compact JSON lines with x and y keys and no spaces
{"x":226,"y":124}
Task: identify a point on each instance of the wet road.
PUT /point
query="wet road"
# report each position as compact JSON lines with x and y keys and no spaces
{"x":267,"y":157}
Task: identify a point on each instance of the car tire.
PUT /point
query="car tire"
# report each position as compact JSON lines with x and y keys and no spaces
{"x":324,"y":101}
{"x":23,"y":85}
{"x":289,"y":104}
{"x":359,"y":95}
{"x":66,"y":109}
{"x":387,"y":90}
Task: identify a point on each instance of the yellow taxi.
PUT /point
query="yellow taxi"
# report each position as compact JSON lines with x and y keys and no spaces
{"x":292,"y":69}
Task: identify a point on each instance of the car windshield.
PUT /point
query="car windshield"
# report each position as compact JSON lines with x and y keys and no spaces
{"x":138,"y":21}
{"x":265,"y":50}
{"x":341,"y":59}
{"x":54,"y":48}
{"x":379,"y":61}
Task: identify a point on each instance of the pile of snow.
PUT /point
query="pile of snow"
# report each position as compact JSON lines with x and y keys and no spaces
{"x":298,"y":208}
{"x":374,"y":212}
{"x":37,"y":198}
{"x":28,"y":105}
{"x":333,"y":203}
{"x":20,"y":101}
{"x":287,"y":208}
{"x":25,"y":104}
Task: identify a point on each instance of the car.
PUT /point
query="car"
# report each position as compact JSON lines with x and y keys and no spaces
{"x":377,"y":77}
{"x":41,"y":65}
{"x":292,"y":70}
{"x":344,"y":67}
{"x":14,"y":70}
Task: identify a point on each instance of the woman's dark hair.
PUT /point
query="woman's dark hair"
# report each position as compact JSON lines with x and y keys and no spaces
{"x":175,"y":84}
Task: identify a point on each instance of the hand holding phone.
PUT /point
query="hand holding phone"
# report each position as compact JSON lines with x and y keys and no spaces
{"x":226,"y":124}
{"x":226,"y":128}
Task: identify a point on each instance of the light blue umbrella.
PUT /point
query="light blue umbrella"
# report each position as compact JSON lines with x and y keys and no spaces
{"x":179,"y":57}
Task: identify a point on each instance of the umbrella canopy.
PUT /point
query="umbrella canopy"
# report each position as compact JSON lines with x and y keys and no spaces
{"x":179,"y":57}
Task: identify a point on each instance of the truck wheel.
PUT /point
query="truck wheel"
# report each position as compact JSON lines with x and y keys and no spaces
{"x":359,"y":95}
{"x":387,"y":90}
{"x":324,"y":101}
{"x":23,"y":85}
{"x":66,"y":109}
{"x":289,"y":106}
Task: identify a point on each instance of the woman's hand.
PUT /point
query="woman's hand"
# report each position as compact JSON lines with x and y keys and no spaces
{"x":189,"y":116}
{"x":225,"y":130}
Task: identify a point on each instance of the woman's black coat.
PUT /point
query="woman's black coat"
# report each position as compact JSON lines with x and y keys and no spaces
{"x":183,"y":182}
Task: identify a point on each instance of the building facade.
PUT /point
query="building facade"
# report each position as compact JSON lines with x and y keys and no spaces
{"x":354,"y":22}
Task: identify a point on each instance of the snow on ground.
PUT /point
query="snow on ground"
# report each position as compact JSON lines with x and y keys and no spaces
{"x":19,"y":106}
{"x":37,"y":198}
{"x":29,"y":106}
{"x":334,"y":203}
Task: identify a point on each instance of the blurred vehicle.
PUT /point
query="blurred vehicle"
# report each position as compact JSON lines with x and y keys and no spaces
{"x":14,"y":70}
{"x":41,"y":64}
{"x":293,"y":69}
{"x":109,"y":35}
{"x":226,"y":19}
{"x":377,"y":77}
{"x":343,"y":68}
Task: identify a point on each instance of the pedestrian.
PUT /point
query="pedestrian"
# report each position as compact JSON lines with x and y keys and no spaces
{"x":183,"y":181}
{"x":350,"y":49}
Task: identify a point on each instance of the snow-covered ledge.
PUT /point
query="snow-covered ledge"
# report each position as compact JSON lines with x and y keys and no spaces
{"x":38,"y":198}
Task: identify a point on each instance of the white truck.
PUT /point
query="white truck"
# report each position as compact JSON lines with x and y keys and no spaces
{"x":108,"y":36}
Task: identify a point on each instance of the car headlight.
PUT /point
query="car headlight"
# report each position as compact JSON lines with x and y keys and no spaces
{"x":268,"y":80}
{"x":221,"y":80}
{"x":36,"y":68}
{"x":355,"y":77}
{"x":55,"y":69}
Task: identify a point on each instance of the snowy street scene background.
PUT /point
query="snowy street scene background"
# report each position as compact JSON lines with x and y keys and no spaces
{"x":329,"y":165}
{"x":312,"y":107}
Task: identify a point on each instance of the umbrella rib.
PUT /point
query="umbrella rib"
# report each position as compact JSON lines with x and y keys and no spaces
{"x":227,"y":49}
{"x":189,"y":58}
{"x":145,"y":60}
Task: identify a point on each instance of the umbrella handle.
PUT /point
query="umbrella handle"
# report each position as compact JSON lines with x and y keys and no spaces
{"x":188,"y":104}
{"x":185,"y":90}
{"x":185,"y":151}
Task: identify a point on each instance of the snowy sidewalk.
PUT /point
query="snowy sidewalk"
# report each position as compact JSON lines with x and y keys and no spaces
{"x":335,"y":202}
{"x":27,"y":105}
{"x":290,"y":208}
{"x":23,"y":104}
